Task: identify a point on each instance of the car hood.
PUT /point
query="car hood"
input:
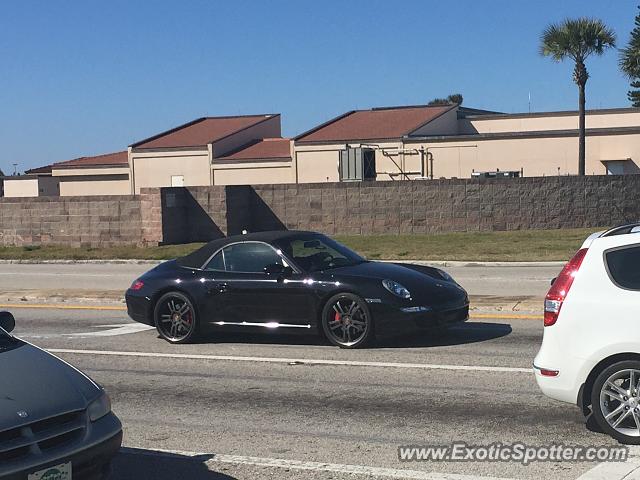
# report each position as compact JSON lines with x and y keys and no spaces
{"x":423,"y":287}
{"x":41,"y":385}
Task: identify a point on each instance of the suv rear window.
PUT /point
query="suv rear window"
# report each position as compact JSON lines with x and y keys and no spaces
{"x":624,"y":267}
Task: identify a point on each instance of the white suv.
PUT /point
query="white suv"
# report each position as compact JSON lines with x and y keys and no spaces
{"x":590,"y":353}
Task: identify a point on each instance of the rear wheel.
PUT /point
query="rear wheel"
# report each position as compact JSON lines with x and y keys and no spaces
{"x":615,"y":401}
{"x":175,"y":318}
{"x":346,"y":321}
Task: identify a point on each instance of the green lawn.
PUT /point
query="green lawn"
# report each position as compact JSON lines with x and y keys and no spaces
{"x":528,"y":245}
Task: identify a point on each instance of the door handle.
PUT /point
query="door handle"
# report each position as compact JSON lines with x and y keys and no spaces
{"x":218,"y":288}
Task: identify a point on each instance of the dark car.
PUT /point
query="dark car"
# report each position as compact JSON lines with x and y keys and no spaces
{"x":55,"y":422}
{"x":292,"y":281}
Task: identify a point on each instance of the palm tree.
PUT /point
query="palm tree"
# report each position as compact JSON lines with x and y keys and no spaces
{"x":577,"y":39}
{"x":630,"y":63}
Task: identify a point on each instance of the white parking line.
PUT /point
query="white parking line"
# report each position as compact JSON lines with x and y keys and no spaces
{"x":380,"y":472}
{"x":295,"y":361}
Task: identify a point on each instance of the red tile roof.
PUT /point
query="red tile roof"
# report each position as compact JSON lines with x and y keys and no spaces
{"x":271,"y":148}
{"x":375,"y":124}
{"x":38,"y":170}
{"x":201,"y":132}
{"x":115,"y":159}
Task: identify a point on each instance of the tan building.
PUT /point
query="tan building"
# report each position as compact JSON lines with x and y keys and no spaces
{"x":458,"y":142}
{"x":213,"y":151}
{"x":106,"y":174}
{"x":35,"y":183}
{"x":208,"y":151}
{"x":395,"y":143}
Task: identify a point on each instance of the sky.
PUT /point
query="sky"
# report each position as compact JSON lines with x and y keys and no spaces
{"x":85,"y":77}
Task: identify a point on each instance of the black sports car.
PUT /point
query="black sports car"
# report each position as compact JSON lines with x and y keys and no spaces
{"x":293,"y":281}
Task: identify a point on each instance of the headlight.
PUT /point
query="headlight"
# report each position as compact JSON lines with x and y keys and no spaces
{"x":397,"y":289}
{"x":100,"y":407}
{"x":445,"y":276}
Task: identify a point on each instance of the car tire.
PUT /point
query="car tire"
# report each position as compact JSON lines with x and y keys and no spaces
{"x":175,"y":318}
{"x":603,"y":404}
{"x":347,"y":321}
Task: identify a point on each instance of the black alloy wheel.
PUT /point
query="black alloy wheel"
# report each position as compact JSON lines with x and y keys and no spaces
{"x":175,"y":318}
{"x":346,"y":321}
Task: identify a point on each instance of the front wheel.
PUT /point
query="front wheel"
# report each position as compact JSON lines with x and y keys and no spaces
{"x":615,"y":401}
{"x":175,"y":318}
{"x":346,"y":321}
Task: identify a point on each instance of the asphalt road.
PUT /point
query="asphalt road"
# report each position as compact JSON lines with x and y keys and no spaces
{"x":478,"y":280}
{"x":248,"y":407}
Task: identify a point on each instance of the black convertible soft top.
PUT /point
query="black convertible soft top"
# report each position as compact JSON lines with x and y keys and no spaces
{"x":199,"y":257}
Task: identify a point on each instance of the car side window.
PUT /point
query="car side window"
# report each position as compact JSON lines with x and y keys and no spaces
{"x":216,"y":263}
{"x":624,"y":267}
{"x":250,"y":257}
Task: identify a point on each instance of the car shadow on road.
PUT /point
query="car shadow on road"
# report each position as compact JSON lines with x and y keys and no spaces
{"x":474,"y":332}
{"x":465,"y":333}
{"x":137,"y":463}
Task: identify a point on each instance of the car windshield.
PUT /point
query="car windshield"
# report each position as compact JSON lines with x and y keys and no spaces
{"x":317,"y":252}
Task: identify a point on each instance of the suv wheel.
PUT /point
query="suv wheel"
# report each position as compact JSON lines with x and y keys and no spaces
{"x":615,"y":401}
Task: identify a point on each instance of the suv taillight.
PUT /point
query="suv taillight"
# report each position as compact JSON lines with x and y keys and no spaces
{"x":560,"y":288}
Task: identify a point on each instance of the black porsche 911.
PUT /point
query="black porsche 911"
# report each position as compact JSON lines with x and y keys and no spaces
{"x":293,"y":281}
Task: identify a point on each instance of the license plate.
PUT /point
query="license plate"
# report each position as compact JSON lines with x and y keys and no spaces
{"x":59,"y":472}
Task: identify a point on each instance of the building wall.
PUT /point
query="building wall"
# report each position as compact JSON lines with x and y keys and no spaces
{"x":542,"y":156}
{"x":113,"y":180}
{"x":71,"y":186}
{"x":155,"y":168}
{"x":253,"y":172}
{"x":317,"y":163}
{"x":48,"y":186}
{"x":394,"y":161}
{"x":75,"y":221}
{"x":526,"y":123}
{"x":25,"y":187}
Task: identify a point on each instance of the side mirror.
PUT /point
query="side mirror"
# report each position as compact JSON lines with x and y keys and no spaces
{"x":7,"y":322}
{"x":276,"y":269}
{"x":553,"y":280}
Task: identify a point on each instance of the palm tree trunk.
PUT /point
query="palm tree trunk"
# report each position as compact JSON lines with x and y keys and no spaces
{"x":581,"y":132}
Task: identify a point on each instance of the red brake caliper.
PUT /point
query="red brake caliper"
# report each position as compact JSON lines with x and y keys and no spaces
{"x":337,"y":317}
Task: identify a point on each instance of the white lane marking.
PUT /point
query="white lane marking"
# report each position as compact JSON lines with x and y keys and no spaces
{"x":113,"y":330}
{"x":310,"y":466}
{"x":296,"y":361}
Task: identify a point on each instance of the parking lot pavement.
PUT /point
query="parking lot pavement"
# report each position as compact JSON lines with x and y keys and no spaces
{"x":516,"y":281}
{"x":293,"y":407}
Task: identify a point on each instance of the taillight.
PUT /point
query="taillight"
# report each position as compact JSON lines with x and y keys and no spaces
{"x":137,"y":285}
{"x":560,"y":288}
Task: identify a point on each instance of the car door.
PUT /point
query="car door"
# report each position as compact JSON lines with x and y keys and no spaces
{"x":241,"y":293}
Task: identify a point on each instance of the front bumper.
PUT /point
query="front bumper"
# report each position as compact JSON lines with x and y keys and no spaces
{"x":89,"y":460}
{"x":392,"y":320}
